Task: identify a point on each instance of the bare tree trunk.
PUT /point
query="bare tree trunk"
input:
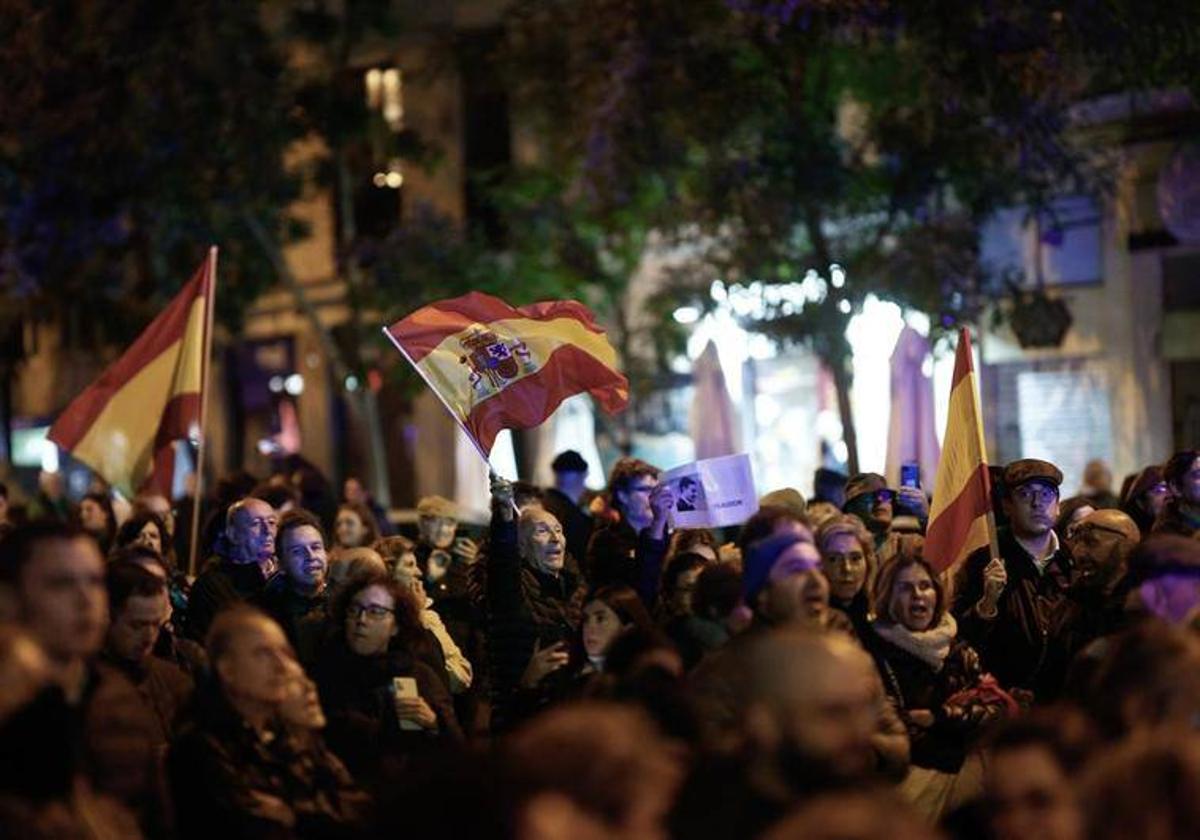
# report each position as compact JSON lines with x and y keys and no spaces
{"x":841,"y":383}
{"x":368,"y":402}
{"x":364,"y":401}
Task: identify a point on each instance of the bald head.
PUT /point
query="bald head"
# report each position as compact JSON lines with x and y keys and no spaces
{"x":250,"y":531}
{"x":1101,"y":543}
{"x":541,"y":541}
{"x":813,"y":695}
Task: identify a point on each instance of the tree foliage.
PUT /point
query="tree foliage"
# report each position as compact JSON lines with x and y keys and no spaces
{"x":787,"y":136}
{"x":133,"y":133}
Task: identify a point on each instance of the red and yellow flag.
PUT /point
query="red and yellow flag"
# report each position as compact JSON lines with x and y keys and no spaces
{"x":124,"y":424}
{"x":962,"y":497}
{"x":497,"y":366}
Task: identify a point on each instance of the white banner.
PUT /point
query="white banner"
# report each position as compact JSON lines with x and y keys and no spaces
{"x":713,"y":493}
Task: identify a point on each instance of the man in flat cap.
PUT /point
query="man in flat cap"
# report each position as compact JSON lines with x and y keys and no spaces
{"x":565,"y":500}
{"x":1015,"y":609}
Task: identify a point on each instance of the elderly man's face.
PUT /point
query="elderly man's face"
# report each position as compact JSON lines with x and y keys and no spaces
{"x":251,"y":532}
{"x":542,"y":541}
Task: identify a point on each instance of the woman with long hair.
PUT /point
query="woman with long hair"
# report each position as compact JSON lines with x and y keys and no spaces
{"x":936,"y":682}
{"x":354,"y":526}
{"x":386,"y":707}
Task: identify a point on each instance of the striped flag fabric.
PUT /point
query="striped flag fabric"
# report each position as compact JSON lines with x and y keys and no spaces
{"x":496,"y":366}
{"x":124,"y":424}
{"x":960,"y":520}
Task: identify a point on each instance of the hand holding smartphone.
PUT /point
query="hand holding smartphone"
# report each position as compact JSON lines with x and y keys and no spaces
{"x":405,"y":688}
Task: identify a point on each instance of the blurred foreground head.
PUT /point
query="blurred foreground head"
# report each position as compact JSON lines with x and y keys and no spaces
{"x":854,"y":815}
{"x":1149,"y":679}
{"x":1146,"y":788}
{"x":810,"y":704}
{"x":590,"y":770}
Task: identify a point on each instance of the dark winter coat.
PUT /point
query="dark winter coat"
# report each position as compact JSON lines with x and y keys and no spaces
{"x":231,"y":783}
{"x":619,"y":555}
{"x":524,"y":606}
{"x":301,"y":616}
{"x":1030,"y":642}
{"x":914,"y":684}
{"x":221,"y":585}
{"x":356,"y":693}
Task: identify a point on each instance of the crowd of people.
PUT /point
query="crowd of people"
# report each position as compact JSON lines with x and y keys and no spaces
{"x":583,"y":669}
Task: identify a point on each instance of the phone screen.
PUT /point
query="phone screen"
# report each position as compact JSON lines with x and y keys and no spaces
{"x":910,"y":475}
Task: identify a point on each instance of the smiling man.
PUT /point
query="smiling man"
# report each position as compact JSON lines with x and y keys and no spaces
{"x":1015,"y":608}
{"x":297,"y":594}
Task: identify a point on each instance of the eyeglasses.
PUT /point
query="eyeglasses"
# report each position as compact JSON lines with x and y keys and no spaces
{"x":372,"y":612}
{"x":884,"y":496}
{"x":1029,"y":492}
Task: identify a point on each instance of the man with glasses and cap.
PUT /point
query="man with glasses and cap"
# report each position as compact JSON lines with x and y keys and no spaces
{"x":881,"y":509}
{"x":1015,"y":609}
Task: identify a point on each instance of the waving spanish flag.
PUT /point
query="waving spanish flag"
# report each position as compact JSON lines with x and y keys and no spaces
{"x":124,"y":424}
{"x":961,"y":518}
{"x":497,"y":366}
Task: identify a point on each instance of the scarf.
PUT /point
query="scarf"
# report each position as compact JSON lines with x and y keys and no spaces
{"x":930,"y":646}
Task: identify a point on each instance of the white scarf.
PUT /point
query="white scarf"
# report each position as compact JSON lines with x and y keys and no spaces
{"x":930,"y":646}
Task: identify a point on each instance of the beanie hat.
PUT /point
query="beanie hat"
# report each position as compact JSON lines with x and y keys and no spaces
{"x":760,"y":558}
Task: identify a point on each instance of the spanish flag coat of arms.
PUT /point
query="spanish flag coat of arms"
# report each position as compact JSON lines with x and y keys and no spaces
{"x":497,"y":366}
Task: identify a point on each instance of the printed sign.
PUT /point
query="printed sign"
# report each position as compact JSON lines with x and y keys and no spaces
{"x":713,"y":493}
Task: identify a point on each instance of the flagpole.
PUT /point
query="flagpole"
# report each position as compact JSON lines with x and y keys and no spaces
{"x":486,"y":459}
{"x":210,"y":299}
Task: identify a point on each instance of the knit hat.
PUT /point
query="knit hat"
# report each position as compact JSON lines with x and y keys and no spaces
{"x":760,"y":559}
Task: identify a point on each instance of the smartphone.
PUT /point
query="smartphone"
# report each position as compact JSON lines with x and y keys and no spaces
{"x":910,"y":475}
{"x":406,"y":687}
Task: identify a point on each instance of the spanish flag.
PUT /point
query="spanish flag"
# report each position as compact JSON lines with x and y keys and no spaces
{"x":961,"y":517}
{"x":123,"y":425}
{"x":497,"y":367}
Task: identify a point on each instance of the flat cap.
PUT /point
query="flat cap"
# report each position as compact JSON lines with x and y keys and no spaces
{"x":1026,"y":470}
{"x":569,"y":461}
{"x":437,"y":506}
{"x":863,"y":483}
